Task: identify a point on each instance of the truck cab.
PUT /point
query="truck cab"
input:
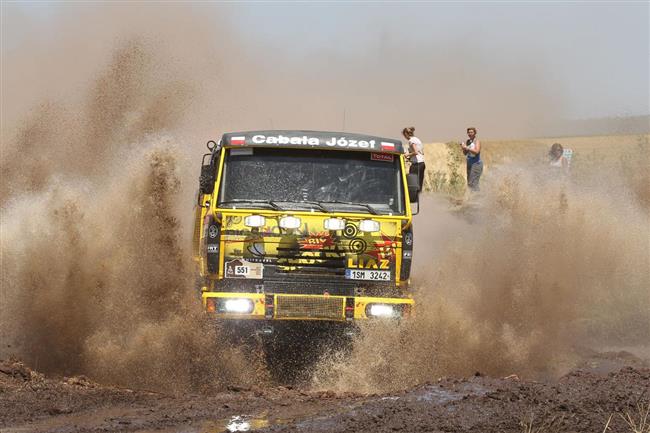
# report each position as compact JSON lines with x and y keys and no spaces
{"x":304,"y":225}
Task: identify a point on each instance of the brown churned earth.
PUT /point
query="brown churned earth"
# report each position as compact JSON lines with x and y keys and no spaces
{"x":598,"y":396}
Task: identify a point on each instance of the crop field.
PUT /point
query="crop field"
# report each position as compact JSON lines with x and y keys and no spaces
{"x":626,"y":155}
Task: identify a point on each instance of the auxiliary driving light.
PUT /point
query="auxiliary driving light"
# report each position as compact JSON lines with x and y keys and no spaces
{"x":238,"y":305}
{"x":254,"y":221}
{"x":290,"y":222}
{"x":369,"y":226}
{"x":381,"y":310}
{"x":334,"y":224}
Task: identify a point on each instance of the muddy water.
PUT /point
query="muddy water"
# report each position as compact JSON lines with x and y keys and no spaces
{"x":96,"y":276}
{"x":522,"y":279}
{"x":331,"y":419}
{"x":235,"y":423}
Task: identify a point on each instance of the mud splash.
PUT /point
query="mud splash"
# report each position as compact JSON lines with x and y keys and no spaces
{"x":96,"y":275}
{"x":519,"y":281}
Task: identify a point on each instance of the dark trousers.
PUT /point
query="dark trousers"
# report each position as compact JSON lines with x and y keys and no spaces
{"x":474,"y":171}
{"x":418,"y":168}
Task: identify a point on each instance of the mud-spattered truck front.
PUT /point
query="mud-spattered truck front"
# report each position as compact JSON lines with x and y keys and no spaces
{"x":304,"y":225}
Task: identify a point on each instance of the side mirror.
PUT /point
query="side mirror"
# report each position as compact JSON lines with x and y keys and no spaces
{"x":413,"y":185}
{"x":211,"y":145}
{"x":206,"y":180}
{"x":208,"y":175}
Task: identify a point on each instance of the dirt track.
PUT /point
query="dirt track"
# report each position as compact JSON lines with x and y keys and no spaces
{"x":582,"y":401}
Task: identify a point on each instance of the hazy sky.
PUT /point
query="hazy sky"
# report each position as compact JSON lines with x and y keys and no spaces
{"x":407,"y":62}
{"x":598,"y":53}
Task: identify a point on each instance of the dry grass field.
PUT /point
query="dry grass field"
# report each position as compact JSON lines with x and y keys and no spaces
{"x":627,"y":156}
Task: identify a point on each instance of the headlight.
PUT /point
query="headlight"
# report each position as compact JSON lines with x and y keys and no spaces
{"x":334,"y":224}
{"x":254,"y":221}
{"x":290,"y":222}
{"x":381,"y":310}
{"x":238,"y":305}
{"x":369,"y":226}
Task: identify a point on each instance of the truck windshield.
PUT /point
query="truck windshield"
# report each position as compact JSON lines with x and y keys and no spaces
{"x":333,"y":180}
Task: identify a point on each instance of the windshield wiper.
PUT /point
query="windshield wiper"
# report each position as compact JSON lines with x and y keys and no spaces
{"x":308,"y":202}
{"x":241,"y":200}
{"x":371,"y":209}
{"x":316,"y":203}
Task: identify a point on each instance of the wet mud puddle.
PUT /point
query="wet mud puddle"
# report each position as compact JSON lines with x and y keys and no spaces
{"x":373,"y":408}
{"x":235,"y":423}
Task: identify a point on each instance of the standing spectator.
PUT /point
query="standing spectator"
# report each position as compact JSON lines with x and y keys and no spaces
{"x":557,"y":160}
{"x":415,"y":154}
{"x":472,"y":150}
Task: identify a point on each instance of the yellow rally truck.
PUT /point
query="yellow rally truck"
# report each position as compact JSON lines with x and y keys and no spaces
{"x":304,"y":226}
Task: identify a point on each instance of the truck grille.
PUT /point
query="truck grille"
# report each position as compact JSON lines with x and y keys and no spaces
{"x":315,"y":307}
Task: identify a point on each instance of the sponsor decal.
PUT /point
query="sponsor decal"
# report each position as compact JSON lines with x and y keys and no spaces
{"x":350,"y":230}
{"x":358,"y":246}
{"x":281,"y":139}
{"x":384,"y":249}
{"x":316,"y":241}
{"x":382,"y":157}
{"x":387,"y":146}
{"x":213,"y":248}
{"x":213,"y":231}
{"x":344,"y":142}
{"x":238,"y":141}
{"x":240,"y":268}
{"x":305,"y":140}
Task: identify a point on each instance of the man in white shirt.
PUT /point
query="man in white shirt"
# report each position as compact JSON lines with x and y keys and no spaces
{"x":472,"y":150}
{"x":415,"y":154}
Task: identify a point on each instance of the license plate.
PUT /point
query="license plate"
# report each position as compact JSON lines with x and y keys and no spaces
{"x":367,"y":274}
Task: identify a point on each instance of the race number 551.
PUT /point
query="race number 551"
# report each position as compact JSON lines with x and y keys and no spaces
{"x":242,"y":270}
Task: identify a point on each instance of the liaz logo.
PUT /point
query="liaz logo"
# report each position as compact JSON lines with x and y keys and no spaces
{"x":360,"y":263}
{"x":316,"y":241}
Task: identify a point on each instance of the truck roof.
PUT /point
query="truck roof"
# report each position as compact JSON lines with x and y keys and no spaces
{"x":312,"y":139}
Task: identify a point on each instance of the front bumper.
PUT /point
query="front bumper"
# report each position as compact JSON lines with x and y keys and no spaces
{"x":280,"y":306}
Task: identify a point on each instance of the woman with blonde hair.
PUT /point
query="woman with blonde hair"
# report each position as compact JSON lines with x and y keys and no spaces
{"x":415,"y":154}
